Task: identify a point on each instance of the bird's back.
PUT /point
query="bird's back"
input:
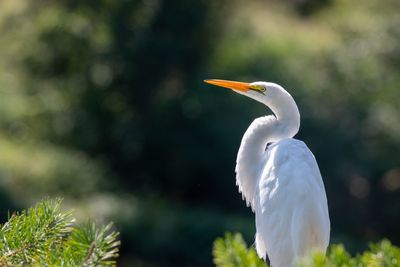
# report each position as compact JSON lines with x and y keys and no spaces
{"x":291,"y":208}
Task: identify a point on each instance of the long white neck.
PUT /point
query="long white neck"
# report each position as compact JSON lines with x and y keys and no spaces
{"x":264,"y":130}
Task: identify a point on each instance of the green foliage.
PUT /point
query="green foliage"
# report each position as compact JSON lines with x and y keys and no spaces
{"x":45,"y":236}
{"x":336,"y":256}
{"x":379,"y":254}
{"x":382,"y":254}
{"x":232,"y":251}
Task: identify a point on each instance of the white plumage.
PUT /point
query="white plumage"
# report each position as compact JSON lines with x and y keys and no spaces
{"x":282,"y":182}
{"x":290,"y":204}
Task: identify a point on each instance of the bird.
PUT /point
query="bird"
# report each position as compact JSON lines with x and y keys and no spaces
{"x":279,"y":178}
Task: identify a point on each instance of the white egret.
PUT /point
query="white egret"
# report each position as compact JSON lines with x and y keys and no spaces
{"x":279,"y":178}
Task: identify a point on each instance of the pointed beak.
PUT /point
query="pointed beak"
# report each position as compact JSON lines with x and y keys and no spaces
{"x":240,"y":86}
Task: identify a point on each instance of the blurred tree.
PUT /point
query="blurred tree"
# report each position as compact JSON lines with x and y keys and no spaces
{"x":123,"y":69}
{"x":107,"y":95}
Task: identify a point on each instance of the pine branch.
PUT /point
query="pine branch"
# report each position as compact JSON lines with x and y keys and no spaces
{"x":27,"y":235}
{"x":44,"y":236}
{"x":232,"y":251}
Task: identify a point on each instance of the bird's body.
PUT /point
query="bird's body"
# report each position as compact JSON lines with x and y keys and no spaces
{"x":290,"y":179}
{"x":279,"y":178}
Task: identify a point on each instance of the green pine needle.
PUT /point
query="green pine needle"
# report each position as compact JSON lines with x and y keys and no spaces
{"x":231,"y":251}
{"x":45,"y":236}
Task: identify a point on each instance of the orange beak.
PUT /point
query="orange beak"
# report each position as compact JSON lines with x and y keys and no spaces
{"x":240,"y":86}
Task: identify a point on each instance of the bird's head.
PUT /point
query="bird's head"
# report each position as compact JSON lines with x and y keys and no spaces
{"x":264,"y":92}
{"x":271,"y":94}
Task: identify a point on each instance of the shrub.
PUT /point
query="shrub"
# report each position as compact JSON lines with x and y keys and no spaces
{"x":232,"y":251}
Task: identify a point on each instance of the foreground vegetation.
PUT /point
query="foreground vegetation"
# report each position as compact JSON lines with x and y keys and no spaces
{"x":232,"y":251}
{"x":45,"y":236}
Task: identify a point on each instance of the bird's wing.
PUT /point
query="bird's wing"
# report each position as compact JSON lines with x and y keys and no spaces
{"x":292,"y":214}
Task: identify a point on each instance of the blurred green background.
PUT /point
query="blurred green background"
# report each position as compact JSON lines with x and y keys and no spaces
{"x":102,"y":102}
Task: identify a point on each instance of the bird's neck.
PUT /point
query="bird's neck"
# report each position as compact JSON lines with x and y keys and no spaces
{"x":284,"y":124}
{"x":263,"y":130}
{"x":287,"y":115}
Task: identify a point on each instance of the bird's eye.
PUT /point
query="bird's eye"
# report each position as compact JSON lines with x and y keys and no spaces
{"x":258,"y":88}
